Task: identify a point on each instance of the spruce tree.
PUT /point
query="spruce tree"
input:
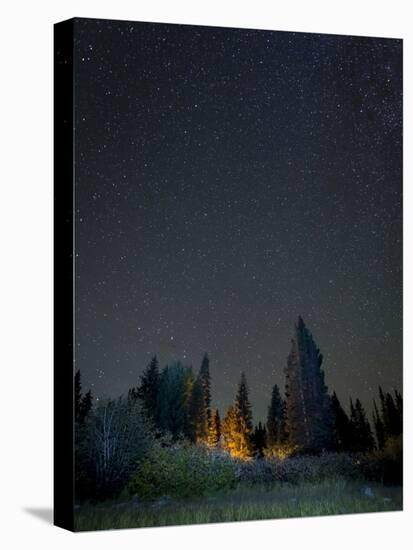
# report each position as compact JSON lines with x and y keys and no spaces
{"x":206,"y":384}
{"x":308,"y":405}
{"x":201,"y":403}
{"x":378,"y":427}
{"x":83,"y":403}
{"x":199,"y":421}
{"x":342,"y":426}
{"x":391,"y":413}
{"x":237,"y":425}
{"x":259,"y":440}
{"x":214,"y":434}
{"x":148,"y":389}
{"x":230,"y":431}
{"x":362,"y":440}
{"x":399,"y":411}
{"x":172,"y":403}
{"x":276,"y":428}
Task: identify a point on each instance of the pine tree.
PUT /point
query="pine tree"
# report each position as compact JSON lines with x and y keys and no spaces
{"x":243,"y":404}
{"x":276,"y":428}
{"x":86,"y":404}
{"x":172,"y":403}
{"x":391,"y":410}
{"x":362,"y":440}
{"x":399,"y":411}
{"x":230,"y":432}
{"x":378,"y":427}
{"x":206,"y":384}
{"x":214,"y":434}
{"x":259,"y":440}
{"x":237,"y":426}
{"x":198,"y":417}
{"x":83,"y":403}
{"x":201,"y":403}
{"x":188,"y":382}
{"x":308,"y":405}
{"x":342,"y":426}
{"x":148,"y":389}
{"x":393,"y":426}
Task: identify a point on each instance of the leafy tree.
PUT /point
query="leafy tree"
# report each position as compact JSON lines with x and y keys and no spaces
{"x":276,"y":421}
{"x":308,"y":405}
{"x":119,"y":437}
{"x":342,"y":426}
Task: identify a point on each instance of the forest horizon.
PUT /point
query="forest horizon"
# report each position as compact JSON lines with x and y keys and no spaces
{"x":177,"y":395}
{"x":264,"y":393}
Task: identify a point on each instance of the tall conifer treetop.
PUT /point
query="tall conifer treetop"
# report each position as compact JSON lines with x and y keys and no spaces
{"x":308,"y":406}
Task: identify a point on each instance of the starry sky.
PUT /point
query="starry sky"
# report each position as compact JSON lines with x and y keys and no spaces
{"x":227,"y":181}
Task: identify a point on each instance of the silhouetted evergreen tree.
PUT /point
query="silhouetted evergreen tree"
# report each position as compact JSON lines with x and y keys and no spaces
{"x":393,"y":427}
{"x":342,"y":426}
{"x":391,"y":410}
{"x":362,"y":439}
{"x":148,"y":389}
{"x":276,"y":421}
{"x":201,"y":402}
{"x":83,"y":403}
{"x":259,"y":440}
{"x":308,"y":405}
{"x":83,"y":416}
{"x":378,"y":427}
{"x":399,"y":404}
{"x":243,"y":405}
{"x":198,"y":420}
{"x":205,"y":378}
{"x":172,"y":402}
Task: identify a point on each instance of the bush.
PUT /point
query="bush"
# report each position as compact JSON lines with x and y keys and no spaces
{"x":182,"y":470}
{"x":299,"y":469}
{"x":386,"y":465}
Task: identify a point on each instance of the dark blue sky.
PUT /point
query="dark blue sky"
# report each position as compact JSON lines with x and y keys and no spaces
{"x":227,"y":181}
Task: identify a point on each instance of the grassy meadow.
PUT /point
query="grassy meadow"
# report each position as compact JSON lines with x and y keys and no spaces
{"x":244,"y":503}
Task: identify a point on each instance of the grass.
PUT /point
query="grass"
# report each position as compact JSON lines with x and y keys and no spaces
{"x":244,"y":503}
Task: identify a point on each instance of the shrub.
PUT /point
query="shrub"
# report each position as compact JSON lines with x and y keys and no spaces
{"x":299,"y":469}
{"x":386,"y":465}
{"x":182,"y":470}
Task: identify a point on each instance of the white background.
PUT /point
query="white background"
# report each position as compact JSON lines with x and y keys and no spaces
{"x":26,"y":271}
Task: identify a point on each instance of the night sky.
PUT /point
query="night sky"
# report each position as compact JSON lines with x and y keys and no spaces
{"x":227,"y":181}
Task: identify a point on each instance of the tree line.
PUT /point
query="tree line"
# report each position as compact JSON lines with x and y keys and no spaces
{"x":307,"y":419}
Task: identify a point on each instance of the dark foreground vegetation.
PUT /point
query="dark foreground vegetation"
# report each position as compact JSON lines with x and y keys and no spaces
{"x":244,"y":504}
{"x":162,"y":456}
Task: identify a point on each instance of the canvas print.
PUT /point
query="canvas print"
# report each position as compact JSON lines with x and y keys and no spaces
{"x":237,"y":274}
